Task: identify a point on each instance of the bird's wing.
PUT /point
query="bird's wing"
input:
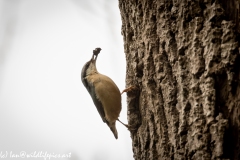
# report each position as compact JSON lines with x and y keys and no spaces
{"x":98,"y":105}
{"x":92,"y":91}
{"x":109,"y":95}
{"x":104,"y":88}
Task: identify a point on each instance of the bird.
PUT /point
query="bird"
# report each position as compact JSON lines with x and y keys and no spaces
{"x":104,"y":92}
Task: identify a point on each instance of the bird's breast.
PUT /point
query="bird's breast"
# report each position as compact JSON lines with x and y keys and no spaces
{"x":108,"y":93}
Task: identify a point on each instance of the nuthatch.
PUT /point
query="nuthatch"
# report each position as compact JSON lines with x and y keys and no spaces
{"x":104,"y":92}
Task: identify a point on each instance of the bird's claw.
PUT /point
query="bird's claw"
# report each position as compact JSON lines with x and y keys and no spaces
{"x":129,"y":127}
{"x":131,"y":88}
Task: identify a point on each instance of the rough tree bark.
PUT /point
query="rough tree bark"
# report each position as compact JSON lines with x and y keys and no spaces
{"x":184,"y":58}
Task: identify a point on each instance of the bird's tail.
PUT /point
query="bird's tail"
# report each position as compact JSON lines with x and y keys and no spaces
{"x":113,"y":128}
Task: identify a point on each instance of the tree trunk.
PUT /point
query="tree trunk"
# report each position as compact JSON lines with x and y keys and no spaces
{"x":183,"y":56}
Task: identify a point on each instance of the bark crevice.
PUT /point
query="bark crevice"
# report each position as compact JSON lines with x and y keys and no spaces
{"x":184,"y":57}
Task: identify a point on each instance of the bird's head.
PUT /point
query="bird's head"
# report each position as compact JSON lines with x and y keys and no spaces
{"x":90,"y":67}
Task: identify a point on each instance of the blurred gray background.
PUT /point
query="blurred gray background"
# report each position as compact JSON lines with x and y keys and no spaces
{"x":43,"y":104}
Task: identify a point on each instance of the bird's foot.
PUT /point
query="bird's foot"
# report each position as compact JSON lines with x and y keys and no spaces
{"x":129,"y":127}
{"x":129,"y":89}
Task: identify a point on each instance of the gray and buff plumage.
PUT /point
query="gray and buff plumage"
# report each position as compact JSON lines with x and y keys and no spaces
{"x":104,"y":92}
